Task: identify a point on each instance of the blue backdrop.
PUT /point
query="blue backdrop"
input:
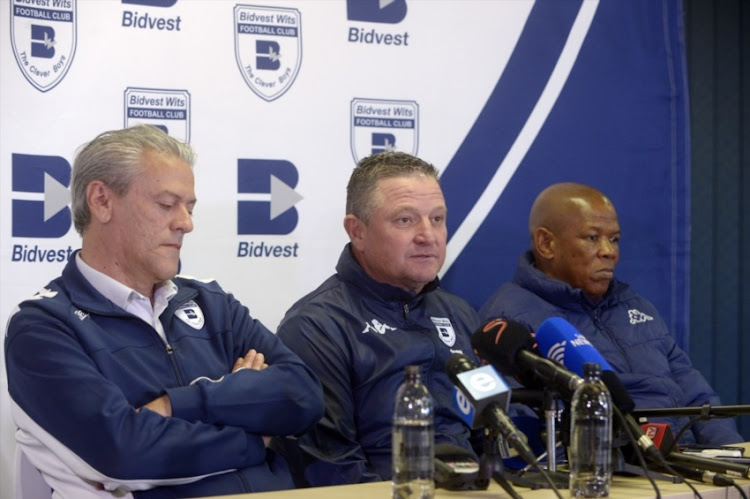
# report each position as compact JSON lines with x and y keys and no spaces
{"x":618,"y":123}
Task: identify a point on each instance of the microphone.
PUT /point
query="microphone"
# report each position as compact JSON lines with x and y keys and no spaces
{"x":489,"y":396}
{"x":704,"y":476}
{"x":509,"y":347}
{"x":559,"y":340}
{"x":661,"y":434}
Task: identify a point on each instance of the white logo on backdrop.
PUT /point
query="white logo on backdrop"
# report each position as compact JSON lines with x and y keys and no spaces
{"x":162,"y":108}
{"x":268,"y":48}
{"x":44,"y":40}
{"x":383,"y":125}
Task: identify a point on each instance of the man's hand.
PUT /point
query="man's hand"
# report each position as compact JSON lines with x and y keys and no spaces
{"x":161,"y":405}
{"x":251,"y":360}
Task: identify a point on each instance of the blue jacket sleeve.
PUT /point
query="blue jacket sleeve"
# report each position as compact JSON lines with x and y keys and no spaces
{"x":330,"y":449}
{"x":284,"y":399}
{"x":57,"y":386}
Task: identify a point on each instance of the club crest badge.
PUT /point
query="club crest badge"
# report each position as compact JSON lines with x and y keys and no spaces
{"x":383,"y":125}
{"x":445,"y":330}
{"x":191,"y":314}
{"x":162,"y":108}
{"x":43,"y":36}
{"x":268,"y":48}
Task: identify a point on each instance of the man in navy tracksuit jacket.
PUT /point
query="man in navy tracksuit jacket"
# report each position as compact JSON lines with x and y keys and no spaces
{"x":569,"y":274}
{"x":381,"y":311}
{"x":128,"y":381}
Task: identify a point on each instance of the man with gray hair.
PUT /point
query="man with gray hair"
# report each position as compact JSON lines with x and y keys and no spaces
{"x":129,"y":381}
{"x":381,"y":311}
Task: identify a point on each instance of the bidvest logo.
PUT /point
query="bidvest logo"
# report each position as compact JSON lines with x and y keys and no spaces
{"x":146,"y":20}
{"x":40,"y":196}
{"x":268,"y":48}
{"x":380,"y":125}
{"x":267,"y":196}
{"x":162,"y":108}
{"x":376,"y":11}
{"x":43,"y":36}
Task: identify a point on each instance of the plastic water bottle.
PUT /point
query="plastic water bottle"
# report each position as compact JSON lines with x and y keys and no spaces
{"x":413,"y":440}
{"x":591,"y":436}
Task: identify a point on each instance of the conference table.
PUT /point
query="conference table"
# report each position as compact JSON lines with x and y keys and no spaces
{"x":623,"y":487}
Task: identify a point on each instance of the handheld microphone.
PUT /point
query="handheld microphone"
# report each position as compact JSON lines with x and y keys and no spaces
{"x":509,"y":347}
{"x":561,"y":341}
{"x":489,"y":396}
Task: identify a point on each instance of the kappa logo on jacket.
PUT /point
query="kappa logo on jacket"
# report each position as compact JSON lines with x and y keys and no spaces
{"x":637,"y":317}
{"x":191,"y":314}
{"x":445,"y":330}
{"x":44,"y":293}
{"x":376,"y":326}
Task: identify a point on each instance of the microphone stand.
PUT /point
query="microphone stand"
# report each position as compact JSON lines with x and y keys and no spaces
{"x":550,"y":416}
{"x":538,"y":480}
{"x":705,"y":411}
{"x":491,"y":463}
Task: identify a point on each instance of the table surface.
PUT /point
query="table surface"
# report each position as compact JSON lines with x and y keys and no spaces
{"x":623,"y":487}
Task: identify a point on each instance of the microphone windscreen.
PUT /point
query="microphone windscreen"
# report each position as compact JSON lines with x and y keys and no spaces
{"x":498,"y":342}
{"x":560,"y":341}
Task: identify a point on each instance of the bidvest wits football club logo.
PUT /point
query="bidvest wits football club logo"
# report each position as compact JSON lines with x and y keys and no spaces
{"x":162,"y":108}
{"x":268,"y":48}
{"x":43,"y":39}
{"x":382,"y":125}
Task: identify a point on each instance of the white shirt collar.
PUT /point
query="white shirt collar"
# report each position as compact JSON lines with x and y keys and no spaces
{"x":118,"y":293}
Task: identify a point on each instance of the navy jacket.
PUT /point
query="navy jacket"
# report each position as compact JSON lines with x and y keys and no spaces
{"x":358,"y":335}
{"x":79,"y":366}
{"x":628,"y":332}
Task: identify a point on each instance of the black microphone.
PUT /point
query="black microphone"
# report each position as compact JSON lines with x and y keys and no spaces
{"x":558,"y":339}
{"x":509,"y":347}
{"x":485,"y":388}
{"x":705,"y":463}
{"x":661,"y":434}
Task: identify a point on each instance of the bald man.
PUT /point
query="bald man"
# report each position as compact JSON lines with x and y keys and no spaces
{"x":569,"y":273}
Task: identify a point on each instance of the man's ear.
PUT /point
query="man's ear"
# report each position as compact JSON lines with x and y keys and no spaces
{"x":544,"y":243}
{"x":99,"y":199}
{"x":356,"y":230}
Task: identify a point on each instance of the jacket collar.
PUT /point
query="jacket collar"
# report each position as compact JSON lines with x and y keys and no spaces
{"x":350,"y":271}
{"x":557,"y":291}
